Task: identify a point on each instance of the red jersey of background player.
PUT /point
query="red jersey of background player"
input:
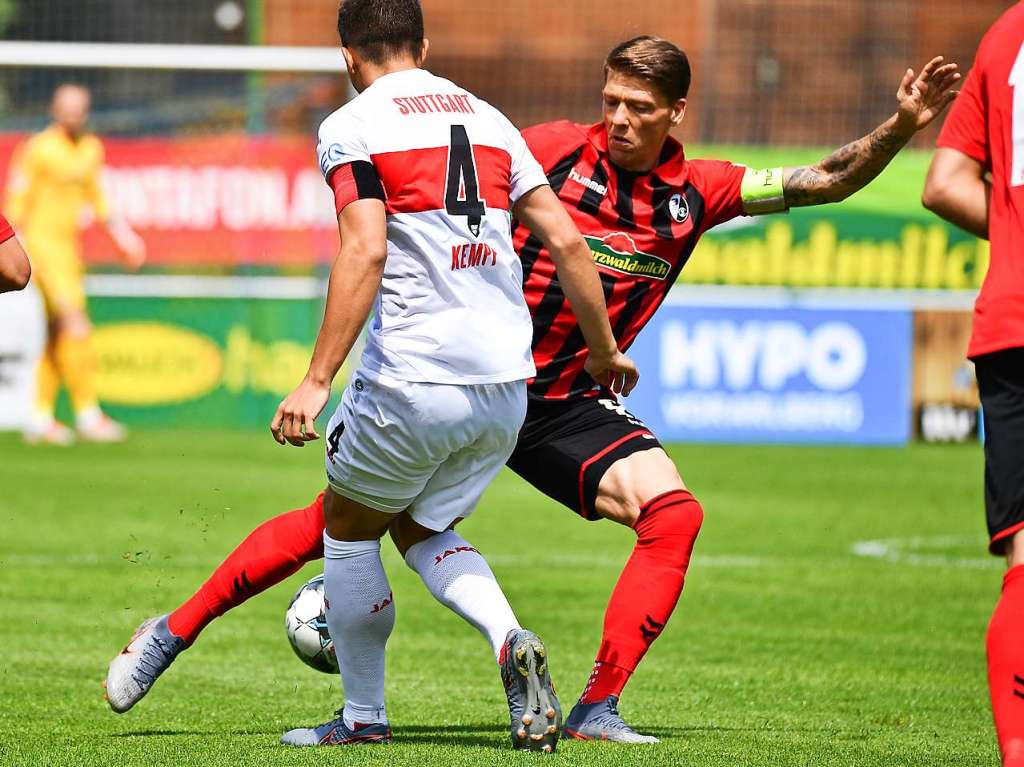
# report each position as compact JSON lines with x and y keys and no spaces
{"x":641,"y":227}
{"x":6,"y":232}
{"x":986,"y":123}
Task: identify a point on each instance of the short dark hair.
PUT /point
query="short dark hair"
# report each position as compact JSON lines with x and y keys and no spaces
{"x":380,"y":30}
{"x":659,"y":62}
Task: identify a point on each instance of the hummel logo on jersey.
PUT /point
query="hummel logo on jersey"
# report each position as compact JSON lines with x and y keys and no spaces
{"x":242,"y":586}
{"x":380,"y":606}
{"x":452,"y":552}
{"x":589,"y":183}
{"x":1018,"y":683}
{"x":651,"y":628}
{"x":473,"y":254}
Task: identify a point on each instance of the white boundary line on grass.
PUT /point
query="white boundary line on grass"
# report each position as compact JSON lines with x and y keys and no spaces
{"x":926,"y":551}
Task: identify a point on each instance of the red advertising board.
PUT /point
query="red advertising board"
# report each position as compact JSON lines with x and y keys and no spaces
{"x":228,"y":200}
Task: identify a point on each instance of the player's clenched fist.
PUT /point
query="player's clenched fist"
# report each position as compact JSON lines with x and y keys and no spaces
{"x":295,"y":419}
{"x":618,"y":372}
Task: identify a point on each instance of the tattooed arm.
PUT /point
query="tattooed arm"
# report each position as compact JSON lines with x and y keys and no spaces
{"x":846,"y":170}
{"x":851,"y":168}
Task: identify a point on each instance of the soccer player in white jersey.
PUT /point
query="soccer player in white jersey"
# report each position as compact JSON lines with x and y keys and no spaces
{"x":424,"y":176}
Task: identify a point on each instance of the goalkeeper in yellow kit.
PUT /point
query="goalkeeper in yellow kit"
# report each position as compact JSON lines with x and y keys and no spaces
{"x":56,"y":177}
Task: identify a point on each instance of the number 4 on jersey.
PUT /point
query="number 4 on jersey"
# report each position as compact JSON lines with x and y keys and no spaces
{"x":462,"y":193}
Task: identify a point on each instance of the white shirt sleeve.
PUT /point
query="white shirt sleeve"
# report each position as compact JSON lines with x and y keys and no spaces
{"x":527,"y":173}
{"x":340,"y":141}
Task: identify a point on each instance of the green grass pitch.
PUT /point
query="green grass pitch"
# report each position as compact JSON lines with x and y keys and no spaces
{"x":789,"y":648}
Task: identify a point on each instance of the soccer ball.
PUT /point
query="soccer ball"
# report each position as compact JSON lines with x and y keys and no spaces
{"x":305,"y":623}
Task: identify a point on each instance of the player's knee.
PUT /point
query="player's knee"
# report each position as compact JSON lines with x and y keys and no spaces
{"x":695,"y":515}
{"x":675,"y":516}
{"x":686,"y":515}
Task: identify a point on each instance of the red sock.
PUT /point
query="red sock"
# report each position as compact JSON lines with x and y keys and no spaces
{"x":272,"y":552}
{"x":1005,"y":641}
{"x":647,"y":591}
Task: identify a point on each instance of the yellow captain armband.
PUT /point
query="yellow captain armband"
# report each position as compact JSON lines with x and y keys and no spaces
{"x":761,"y":191}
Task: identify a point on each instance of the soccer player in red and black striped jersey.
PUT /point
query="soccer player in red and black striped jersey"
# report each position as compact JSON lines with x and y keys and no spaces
{"x":14,"y":266}
{"x":642,"y":205}
{"x":976,"y":181}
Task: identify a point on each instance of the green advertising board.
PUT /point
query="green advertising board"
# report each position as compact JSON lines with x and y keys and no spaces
{"x":218,"y":361}
{"x":840,"y":248}
{"x":882,"y":237}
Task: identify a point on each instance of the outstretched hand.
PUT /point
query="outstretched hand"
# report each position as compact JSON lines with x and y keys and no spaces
{"x":923,"y":97}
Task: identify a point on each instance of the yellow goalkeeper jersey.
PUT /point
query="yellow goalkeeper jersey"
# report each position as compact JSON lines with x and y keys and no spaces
{"x":54,"y":179}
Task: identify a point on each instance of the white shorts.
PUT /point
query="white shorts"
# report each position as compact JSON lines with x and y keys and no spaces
{"x":430,"y":448}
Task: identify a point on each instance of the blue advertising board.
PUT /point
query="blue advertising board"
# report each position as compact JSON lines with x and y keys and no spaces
{"x":796,"y":375}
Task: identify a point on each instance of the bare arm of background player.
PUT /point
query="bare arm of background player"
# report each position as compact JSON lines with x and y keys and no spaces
{"x":956,"y":190}
{"x":14,"y":266}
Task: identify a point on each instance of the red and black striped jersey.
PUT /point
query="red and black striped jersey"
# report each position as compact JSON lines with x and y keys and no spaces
{"x":641,"y":228}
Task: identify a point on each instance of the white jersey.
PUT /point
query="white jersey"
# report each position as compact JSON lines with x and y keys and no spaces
{"x":448,"y":167}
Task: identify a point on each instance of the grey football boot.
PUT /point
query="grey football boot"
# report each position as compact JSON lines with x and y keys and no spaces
{"x":534,"y":713}
{"x":601,"y":721}
{"x":337,"y":733}
{"x":147,"y":655}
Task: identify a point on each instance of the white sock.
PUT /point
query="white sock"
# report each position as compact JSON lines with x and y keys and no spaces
{"x":41,"y":418}
{"x":360,"y":616}
{"x":460,"y":578}
{"x":88,"y":417}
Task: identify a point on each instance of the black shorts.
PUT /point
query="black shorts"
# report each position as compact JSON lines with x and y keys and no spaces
{"x":566,"y":446}
{"x":1001,"y":385}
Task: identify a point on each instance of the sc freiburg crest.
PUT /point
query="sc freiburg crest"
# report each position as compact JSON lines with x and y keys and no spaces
{"x":678,"y":208}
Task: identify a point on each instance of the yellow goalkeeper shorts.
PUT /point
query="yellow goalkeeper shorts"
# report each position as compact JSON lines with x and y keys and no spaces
{"x":58,"y":272}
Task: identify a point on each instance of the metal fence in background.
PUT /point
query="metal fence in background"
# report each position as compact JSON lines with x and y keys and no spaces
{"x":771,"y":72}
